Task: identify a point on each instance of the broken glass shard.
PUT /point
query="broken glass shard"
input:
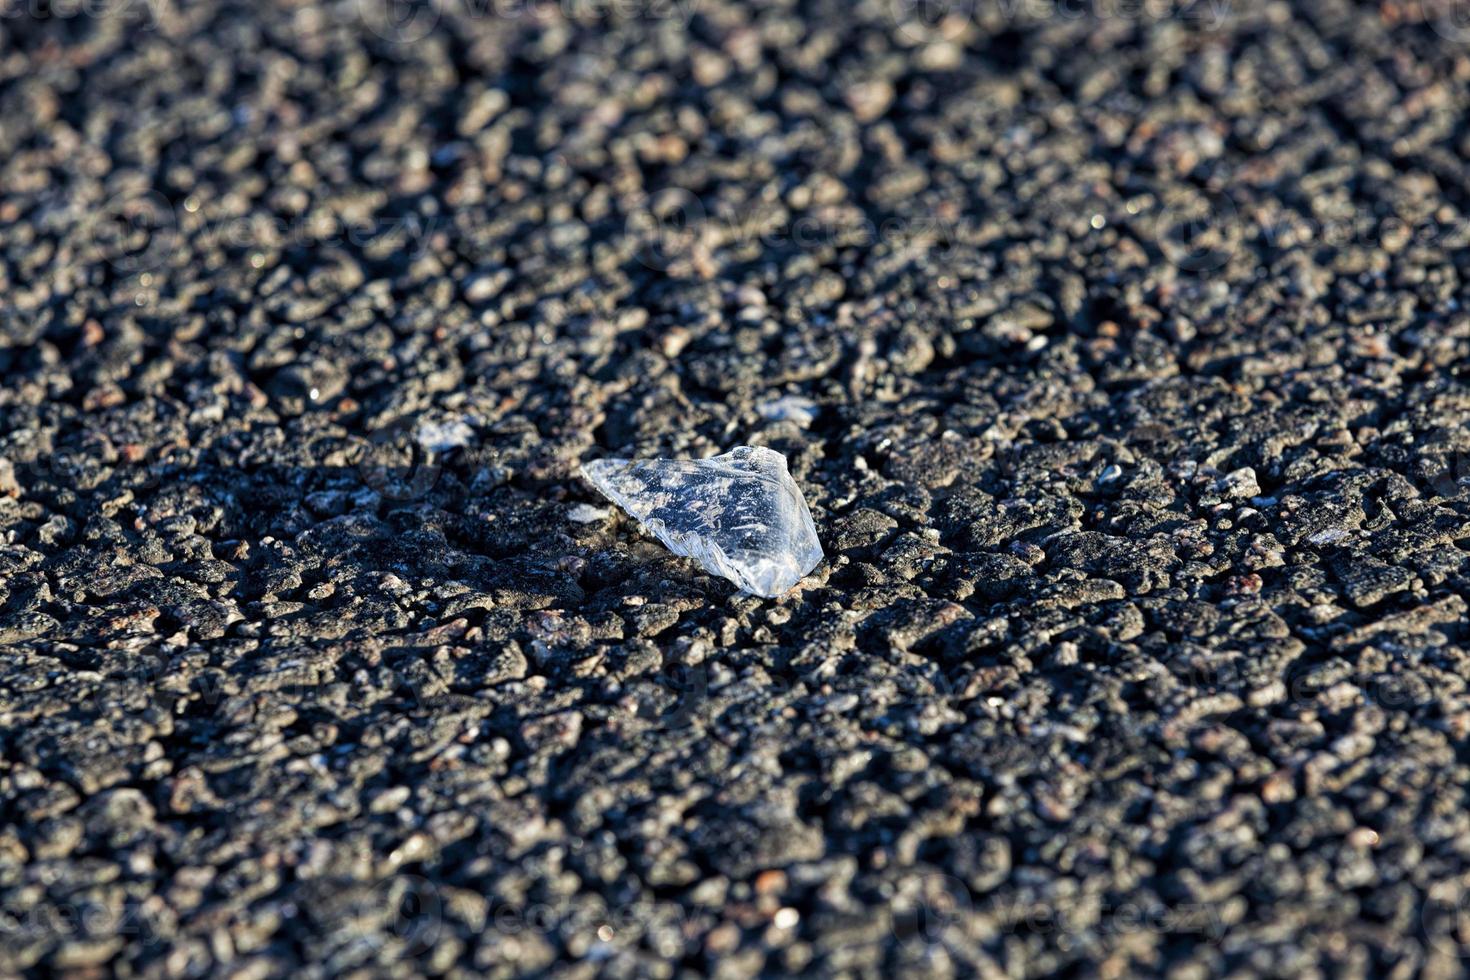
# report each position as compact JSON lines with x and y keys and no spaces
{"x":739,"y":515}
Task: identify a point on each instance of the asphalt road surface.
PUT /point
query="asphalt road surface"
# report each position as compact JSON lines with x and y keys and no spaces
{"x":1119,"y":347}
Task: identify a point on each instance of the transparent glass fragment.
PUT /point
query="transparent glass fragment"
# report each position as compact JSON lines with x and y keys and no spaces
{"x":739,"y":515}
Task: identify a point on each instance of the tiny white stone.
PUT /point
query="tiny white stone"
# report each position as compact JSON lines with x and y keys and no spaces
{"x":440,"y":437}
{"x":1239,"y":483}
{"x":586,"y":514}
{"x":789,"y":408}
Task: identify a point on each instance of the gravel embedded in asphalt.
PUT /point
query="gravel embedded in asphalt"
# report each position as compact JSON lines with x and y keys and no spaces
{"x":1119,"y":349}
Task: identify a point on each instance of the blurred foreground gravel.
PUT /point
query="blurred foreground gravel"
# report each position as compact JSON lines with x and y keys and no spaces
{"x":1119,"y":349}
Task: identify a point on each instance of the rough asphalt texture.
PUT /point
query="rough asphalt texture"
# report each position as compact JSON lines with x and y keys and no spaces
{"x":1136,"y":357}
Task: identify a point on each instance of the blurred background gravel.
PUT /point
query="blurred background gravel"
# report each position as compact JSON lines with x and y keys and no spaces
{"x":1119,"y":346}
